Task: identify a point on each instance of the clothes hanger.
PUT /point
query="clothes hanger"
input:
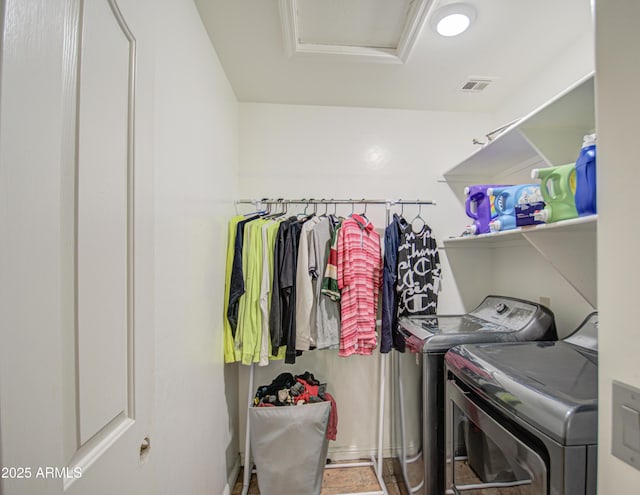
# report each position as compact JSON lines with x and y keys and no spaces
{"x":400,"y":218}
{"x":335,"y":218}
{"x":364,"y":213}
{"x":306,"y":206}
{"x":272,"y":215}
{"x":418,"y":217}
{"x":303,"y":217}
{"x":257,"y":211}
{"x":326,"y":208}
{"x":282,"y":214}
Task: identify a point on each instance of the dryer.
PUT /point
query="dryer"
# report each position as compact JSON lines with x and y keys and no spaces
{"x":529,"y":411}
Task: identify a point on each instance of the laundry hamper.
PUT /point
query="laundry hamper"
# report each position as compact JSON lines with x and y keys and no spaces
{"x":289,"y":446}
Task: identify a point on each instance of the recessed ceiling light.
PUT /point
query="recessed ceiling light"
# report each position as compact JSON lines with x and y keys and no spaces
{"x":453,"y":19}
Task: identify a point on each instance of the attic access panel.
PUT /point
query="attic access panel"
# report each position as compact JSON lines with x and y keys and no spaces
{"x":368,"y":30}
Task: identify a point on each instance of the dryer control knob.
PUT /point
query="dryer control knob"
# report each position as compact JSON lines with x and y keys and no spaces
{"x":501,"y":308}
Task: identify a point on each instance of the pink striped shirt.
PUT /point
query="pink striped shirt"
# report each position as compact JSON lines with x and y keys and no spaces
{"x":360,"y":279}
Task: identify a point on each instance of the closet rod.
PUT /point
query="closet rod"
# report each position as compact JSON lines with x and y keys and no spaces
{"x":303,"y":201}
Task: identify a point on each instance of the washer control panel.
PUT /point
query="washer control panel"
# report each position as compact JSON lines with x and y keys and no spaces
{"x":508,"y":313}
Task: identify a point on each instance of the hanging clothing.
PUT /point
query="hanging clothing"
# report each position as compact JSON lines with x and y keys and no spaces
{"x":229,"y":353}
{"x":359,"y":280}
{"x":288,"y":287}
{"x":389,"y":336}
{"x":332,"y":427}
{"x":330,"y":282}
{"x":305,"y":310}
{"x":269,"y":231}
{"x":418,"y":272}
{"x":327,"y":309}
{"x":277,"y":304}
{"x":248,"y":338}
{"x":298,"y":284}
{"x":236,"y":288}
{"x":282,"y":322}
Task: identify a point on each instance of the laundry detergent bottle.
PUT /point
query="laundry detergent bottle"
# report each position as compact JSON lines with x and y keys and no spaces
{"x":479,"y":207}
{"x":515,"y":206}
{"x":586,"y":177}
{"x":558,"y":186}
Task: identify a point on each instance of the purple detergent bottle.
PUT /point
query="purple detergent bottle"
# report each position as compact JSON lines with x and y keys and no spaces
{"x":586,"y":177}
{"x":480,"y":207}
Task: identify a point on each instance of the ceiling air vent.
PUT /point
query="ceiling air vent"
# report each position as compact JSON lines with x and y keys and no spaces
{"x":475,"y":85}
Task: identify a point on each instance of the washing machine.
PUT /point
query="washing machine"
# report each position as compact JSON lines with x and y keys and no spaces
{"x":529,"y":413}
{"x":496,"y":319}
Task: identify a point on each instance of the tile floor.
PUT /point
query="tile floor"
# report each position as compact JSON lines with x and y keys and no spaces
{"x":363,"y":479}
{"x":341,"y":481}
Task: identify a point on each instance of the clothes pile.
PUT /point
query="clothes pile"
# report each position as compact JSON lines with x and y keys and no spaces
{"x":289,"y":390}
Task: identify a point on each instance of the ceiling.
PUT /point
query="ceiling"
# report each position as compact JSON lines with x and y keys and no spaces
{"x":510,"y":42}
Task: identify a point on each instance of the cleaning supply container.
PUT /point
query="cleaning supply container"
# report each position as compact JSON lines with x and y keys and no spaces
{"x":558,"y":186}
{"x":585,"y":196}
{"x":479,"y":207}
{"x":516,"y":206}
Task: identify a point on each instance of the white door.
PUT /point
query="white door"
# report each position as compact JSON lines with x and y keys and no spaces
{"x":76,"y":253}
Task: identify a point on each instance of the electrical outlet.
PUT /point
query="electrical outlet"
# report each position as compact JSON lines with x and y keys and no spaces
{"x":545,"y":301}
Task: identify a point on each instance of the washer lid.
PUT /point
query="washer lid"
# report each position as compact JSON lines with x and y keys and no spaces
{"x":550,"y":386}
{"x":496,"y":319}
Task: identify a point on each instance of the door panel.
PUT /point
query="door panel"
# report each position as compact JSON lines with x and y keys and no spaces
{"x":104,"y":214}
{"x":76,"y":251}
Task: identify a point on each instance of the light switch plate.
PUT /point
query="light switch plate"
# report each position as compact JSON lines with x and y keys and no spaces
{"x":625,"y":444}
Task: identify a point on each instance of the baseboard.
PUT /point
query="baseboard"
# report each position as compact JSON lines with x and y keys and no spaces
{"x":351,"y":454}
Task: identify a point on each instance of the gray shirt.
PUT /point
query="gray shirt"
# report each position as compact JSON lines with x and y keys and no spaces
{"x":327,"y":310}
{"x":305,"y":292}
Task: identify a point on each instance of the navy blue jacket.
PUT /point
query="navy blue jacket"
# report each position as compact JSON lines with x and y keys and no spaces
{"x":389,"y":333}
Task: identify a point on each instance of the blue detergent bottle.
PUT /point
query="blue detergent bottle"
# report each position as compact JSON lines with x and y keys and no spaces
{"x":515,"y":206}
{"x":586,"y":177}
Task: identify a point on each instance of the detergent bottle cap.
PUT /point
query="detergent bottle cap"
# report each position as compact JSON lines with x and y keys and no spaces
{"x":490,"y":191}
{"x":470,"y":230}
{"x":541,"y":215}
{"x":588,"y":140}
{"x":495,"y":225}
{"x":535,"y":173}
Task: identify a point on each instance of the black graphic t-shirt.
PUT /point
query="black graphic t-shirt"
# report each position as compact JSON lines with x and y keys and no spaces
{"x":418,"y":273}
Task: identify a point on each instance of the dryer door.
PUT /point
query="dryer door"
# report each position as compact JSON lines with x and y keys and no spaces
{"x":483,"y":454}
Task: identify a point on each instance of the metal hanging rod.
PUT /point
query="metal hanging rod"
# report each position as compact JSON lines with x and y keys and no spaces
{"x":389,"y":202}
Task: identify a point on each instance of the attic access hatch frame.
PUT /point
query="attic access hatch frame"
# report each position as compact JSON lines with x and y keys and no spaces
{"x":415,"y":20}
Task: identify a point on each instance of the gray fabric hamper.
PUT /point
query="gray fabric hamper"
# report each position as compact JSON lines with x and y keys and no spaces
{"x":289,"y":447}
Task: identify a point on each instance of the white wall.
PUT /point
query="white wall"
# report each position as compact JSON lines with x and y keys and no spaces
{"x":618,"y":108}
{"x":338,"y":152}
{"x":346,"y":152}
{"x":567,"y":67}
{"x":195,"y":444}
